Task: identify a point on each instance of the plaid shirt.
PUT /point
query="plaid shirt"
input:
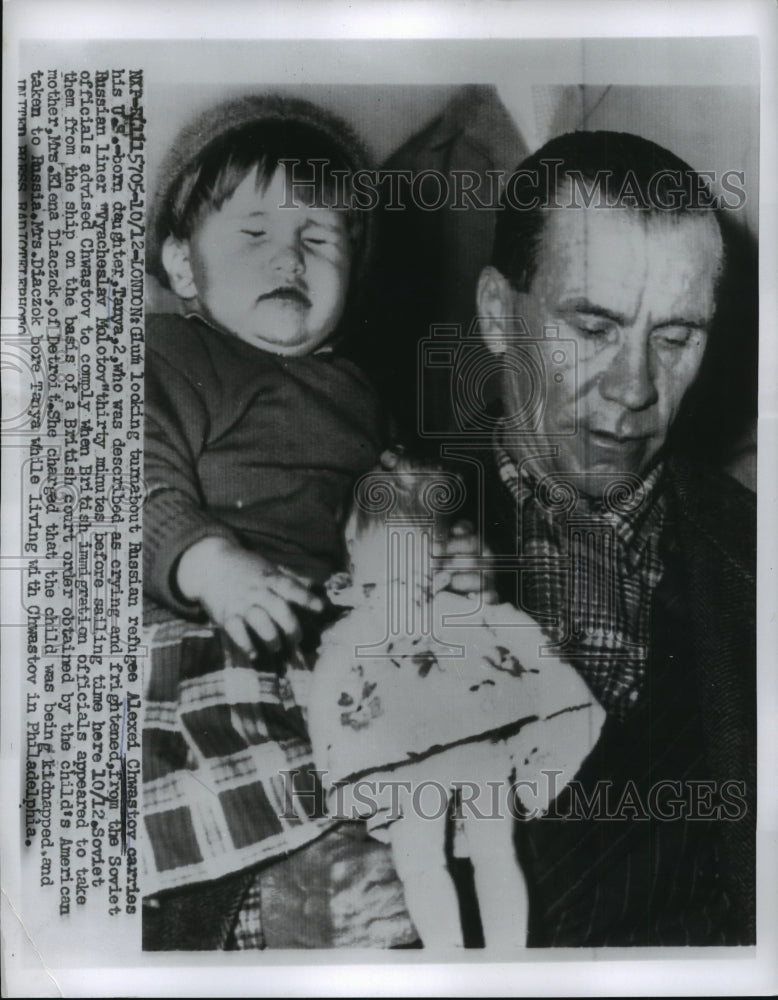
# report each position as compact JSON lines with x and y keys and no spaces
{"x":591,"y":574}
{"x":589,"y":568}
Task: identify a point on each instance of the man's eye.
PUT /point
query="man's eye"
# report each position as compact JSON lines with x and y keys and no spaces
{"x":674,"y":336}
{"x":594,"y":330}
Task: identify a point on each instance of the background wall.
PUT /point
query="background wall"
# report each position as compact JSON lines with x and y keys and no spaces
{"x":712,"y":126}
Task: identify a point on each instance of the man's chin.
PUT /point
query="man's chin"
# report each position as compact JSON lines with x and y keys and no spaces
{"x":596,"y":477}
{"x":586,"y":472}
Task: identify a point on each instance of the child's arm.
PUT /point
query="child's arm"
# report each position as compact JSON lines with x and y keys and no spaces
{"x":192,"y":561}
{"x":175,"y":431}
{"x":242,"y":591}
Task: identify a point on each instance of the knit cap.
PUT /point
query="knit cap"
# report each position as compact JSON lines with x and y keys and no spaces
{"x":231,"y":115}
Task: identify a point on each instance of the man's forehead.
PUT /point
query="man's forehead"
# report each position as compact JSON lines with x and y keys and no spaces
{"x":613,"y":256}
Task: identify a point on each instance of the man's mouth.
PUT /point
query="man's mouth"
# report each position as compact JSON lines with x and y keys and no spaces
{"x":613,"y":440}
{"x":604,"y":443}
{"x":286,"y":293}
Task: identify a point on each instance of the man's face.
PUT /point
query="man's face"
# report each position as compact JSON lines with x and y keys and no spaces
{"x":274,"y":277}
{"x":635,"y":295}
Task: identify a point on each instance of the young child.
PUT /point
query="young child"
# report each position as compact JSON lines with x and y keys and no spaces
{"x":256,"y":429}
{"x":417,"y":696}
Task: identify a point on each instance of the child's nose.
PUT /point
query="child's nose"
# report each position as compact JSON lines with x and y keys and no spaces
{"x":288,"y":259}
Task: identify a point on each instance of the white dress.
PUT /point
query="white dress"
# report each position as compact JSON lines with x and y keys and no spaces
{"x":468,"y":694}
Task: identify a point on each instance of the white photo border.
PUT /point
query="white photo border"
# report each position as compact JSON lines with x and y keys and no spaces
{"x":569,"y":973}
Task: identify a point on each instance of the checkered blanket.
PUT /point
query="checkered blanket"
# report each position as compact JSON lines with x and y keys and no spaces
{"x":228,"y":775}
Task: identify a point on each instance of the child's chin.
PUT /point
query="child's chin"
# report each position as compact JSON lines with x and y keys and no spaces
{"x":294,"y":342}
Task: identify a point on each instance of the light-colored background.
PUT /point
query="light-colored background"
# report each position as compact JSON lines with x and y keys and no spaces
{"x":698,"y":97}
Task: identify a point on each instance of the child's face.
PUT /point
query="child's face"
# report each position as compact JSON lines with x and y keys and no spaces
{"x":274,"y":277}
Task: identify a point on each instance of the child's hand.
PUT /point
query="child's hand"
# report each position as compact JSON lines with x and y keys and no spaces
{"x":242,"y":591}
{"x":456,"y":573}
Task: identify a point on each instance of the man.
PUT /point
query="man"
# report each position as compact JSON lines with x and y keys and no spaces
{"x":639,"y":564}
{"x":428,"y":260}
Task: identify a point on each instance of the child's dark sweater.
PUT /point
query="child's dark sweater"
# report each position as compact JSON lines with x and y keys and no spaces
{"x":265,"y":450}
{"x":251,"y":446}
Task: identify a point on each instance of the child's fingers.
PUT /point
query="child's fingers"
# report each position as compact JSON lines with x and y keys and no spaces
{"x":258,"y":619}
{"x":281,"y":615}
{"x":304,"y":581}
{"x":292,"y":590}
{"x":236,"y":630}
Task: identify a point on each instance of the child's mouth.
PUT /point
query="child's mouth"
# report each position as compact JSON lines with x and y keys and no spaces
{"x":287,"y":293}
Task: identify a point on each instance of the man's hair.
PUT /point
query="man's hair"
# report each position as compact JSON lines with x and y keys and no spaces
{"x":623,"y":169}
{"x":589,"y":168}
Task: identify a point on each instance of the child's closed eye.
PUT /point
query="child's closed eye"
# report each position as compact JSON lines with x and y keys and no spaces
{"x":321,"y":240}
{"x":323,"y":233}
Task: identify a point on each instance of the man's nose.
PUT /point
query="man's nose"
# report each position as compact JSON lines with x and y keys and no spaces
{"x":288,"y":259}
{"x":629,"y":380}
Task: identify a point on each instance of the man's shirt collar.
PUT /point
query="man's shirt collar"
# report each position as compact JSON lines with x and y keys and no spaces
{"x":636,"y":515}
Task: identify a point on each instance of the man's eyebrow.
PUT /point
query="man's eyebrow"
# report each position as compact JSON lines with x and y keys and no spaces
{"x":695,"y":322}
{"x":585,"y":307}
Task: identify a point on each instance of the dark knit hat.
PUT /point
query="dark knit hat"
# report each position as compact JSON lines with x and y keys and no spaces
{"x":232,"y":115}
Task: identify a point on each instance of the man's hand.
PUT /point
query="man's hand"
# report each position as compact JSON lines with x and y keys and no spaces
{"x":456,"y":573}
{"x":457,"y":551}
{"x":244,"y":593}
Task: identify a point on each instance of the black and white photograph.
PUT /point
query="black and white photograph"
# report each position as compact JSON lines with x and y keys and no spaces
{"x":389,"y":468}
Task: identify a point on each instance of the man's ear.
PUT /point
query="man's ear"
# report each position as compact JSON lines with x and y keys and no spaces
{"x":175,"y":259}
{"x":496,"y":305}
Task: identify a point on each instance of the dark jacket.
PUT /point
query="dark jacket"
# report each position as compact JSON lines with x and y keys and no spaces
{"x":705,"y":612}
{"x":716,"y":539}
